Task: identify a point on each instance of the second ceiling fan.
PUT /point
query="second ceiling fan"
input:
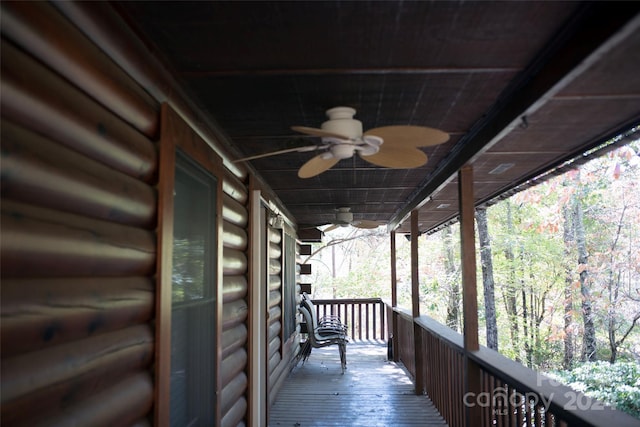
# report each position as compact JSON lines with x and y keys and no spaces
{"x":344,"y":218}
{"x":342,"y":136}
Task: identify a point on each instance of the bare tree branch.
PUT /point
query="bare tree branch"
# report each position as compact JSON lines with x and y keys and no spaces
{"x":339,"y":241}
{"x":633,"y":324}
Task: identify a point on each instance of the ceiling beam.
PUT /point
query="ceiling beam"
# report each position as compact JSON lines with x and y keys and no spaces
{"x":343,"y":71}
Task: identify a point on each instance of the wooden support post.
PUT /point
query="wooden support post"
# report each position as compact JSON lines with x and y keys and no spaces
{"x":394,"y":300}
{"x":415,"y":305}
{"x":469,"y":286}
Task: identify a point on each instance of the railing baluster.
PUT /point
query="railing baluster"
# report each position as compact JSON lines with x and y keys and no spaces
{"x":360,"y":321}
{"x":375,"y":323}
{"x":383,"y":330}
{"x":366,"y":318}
{"x":353,"y":321}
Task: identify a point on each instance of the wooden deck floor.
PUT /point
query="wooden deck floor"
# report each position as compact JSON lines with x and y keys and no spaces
{"x":372,"y":392}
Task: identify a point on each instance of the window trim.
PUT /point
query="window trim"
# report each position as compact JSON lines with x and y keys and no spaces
{"x":176,"y":134}
{"x":288,"y":289}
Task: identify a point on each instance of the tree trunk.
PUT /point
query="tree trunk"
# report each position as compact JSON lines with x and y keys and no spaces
{"x":568,"y":291}
{"x":487,"y":279}
{"x":589,"y":335}
{"x":613,"y":287}
{"x":525,"y":322}
{"x":509,"y":292}
{"x":453,"y":285}
{"x":333,"y":271}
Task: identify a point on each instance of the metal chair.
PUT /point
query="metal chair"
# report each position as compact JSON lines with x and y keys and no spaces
{"x":322,"y":337}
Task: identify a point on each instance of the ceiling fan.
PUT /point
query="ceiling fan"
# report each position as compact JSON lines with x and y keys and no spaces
{"x":342,"y":137}
{"x":344,"y":218}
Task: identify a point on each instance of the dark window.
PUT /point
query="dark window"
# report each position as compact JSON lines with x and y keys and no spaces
{"x":193,"y":296}
{"x":289,"y":286}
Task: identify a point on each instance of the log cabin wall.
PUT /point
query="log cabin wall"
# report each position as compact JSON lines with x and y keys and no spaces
{"x":274,"y":307}
{"x":79,"y":211}
{"x":284,"y":296}
{"x":234,"y":314}
{"x":79,"y":206}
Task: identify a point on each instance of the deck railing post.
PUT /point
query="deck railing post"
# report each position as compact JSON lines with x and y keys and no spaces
{"x":395,"y":342}
{"x":469,"y":297}
{"x":415,"y":305}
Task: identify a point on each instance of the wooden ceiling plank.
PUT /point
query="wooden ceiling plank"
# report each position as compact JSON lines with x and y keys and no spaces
{"x":591,"y":32}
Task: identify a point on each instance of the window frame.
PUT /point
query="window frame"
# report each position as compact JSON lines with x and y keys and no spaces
{"x":289,"y":282}
{"x":175,"y":135}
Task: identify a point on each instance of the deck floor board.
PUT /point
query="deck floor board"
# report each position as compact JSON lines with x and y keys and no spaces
{"x":372,"y":392}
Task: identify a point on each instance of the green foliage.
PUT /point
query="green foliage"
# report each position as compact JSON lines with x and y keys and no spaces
{"x":615,"y":384}
{"x":536,"y":273}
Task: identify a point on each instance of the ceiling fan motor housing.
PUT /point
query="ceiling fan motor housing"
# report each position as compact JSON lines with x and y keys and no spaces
{"x":341,"y":122}
{"x":344,"y":216}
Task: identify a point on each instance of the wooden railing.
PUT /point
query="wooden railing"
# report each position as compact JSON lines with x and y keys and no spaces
{"x":509,"y":394}
{"x":365,"y":318}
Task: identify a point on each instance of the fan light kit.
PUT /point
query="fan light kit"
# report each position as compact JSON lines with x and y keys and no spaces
{"x":342,"y":136}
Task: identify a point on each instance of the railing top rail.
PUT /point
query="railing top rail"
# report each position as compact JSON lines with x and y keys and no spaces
{"x":569,"y":404}
{"x":347,"y":301}
{"x":452,"y":338}
{"x":561,"y":399}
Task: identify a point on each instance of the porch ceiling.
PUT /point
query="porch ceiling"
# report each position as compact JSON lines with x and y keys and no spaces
{"x":472,"y":69}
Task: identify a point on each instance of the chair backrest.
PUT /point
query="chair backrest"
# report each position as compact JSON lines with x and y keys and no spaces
{"x":311,"y":307}
{"x":311,"y":326}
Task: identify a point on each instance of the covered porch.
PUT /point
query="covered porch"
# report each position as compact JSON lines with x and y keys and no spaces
{"x":414,"y":371}
{"x":373,"y":392}
{"x":106,"y":105}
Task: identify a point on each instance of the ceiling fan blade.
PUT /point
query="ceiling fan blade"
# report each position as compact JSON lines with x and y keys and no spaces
{"x":275,"y":153}
{"x":409,"y":136}
{"x":331,"y":228}
{"x":365,"y":223}
{"x":318,"y":132}
{"x":398,"y":158}
{"x":316,"y":166}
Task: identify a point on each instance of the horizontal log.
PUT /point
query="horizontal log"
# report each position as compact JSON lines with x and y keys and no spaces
{"x":274,"y":346}
{"x":274,"y":329}
{"x":305,"y":288}
{"x":279,"y":376}
{"x":275,"y":267}
{"x":275,"y":297}
{"x":234,"y":212}
{"x":233,"y":236}
{"x":304,"y":268}
{"x":313,"y":235}
{"x":233,"y":339}
{"x":232,"y":392}
{"x":40,"y":29}
{"x":38,"y":242}
{"x":275,"y":250}
{"x":304,"y":249}
{"x":63,"y":375}
{"x":36,"y":98}
{"x":275,"y":235}
{"x":234,"y":313}
{"x":275,"y":313}
{"x":43,"y":312}
{"x":272,"y":364}
{"x":39,"y":171}
{"x":106,"y":28}
{"x":233,"y":288}
{"x":232,"y":365}
{"x":120,"y":405}
{"x":233,"y":418}
{"x":275,"y":282}
{"x":234,"y":262}
{"x":232,"y":186}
